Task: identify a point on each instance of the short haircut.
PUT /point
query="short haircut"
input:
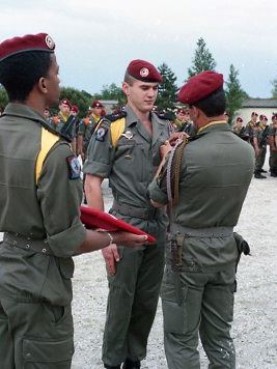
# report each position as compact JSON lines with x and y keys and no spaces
{"x":19,"y":73}
{"x":214,"y":104}
{"x":129,"y":79}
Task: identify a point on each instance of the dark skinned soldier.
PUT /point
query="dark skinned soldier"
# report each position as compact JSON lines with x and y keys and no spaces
{"x":40,"y":196}
{"x":204,"y":182}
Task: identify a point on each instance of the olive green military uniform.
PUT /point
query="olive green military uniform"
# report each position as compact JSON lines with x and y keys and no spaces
{"x":199,"y":282}
{"x":40,"y":221}
{"x":272,"y":136}
{"x":130,"y":165}
{"x":87,"y":128}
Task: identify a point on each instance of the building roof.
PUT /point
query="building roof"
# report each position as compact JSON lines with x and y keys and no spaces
{"x":259,"y":103}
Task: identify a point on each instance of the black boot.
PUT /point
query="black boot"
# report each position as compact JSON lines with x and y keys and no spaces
{"x":259,"y":175}
{"x":129,"y":364}
{"x":112,"y":367}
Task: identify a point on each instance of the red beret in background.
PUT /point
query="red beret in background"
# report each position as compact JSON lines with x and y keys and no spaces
{"x":97,"y":104}
{"x":75,"y":109}
{"x":274,"y":116}
{"x":144,"y":71}
{"x":254,"y":114}
{"x":94,"y":218}
{"x":16,"y":45}
{"x":200,"y":86}
{"x":65,"y":102}
{"x":239,"y":119}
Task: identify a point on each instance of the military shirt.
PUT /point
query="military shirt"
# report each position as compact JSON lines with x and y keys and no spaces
{"x":48,"y":209}
{"x":216,"y":170}
{"x":132,"y":163}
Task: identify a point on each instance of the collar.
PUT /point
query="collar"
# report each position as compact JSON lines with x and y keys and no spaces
{"x":211,"y":124}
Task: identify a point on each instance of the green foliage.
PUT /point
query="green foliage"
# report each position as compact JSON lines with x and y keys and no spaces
{"x":112,"y":92}
{"x":167,"y":89}
{"x":3,"y":97}
{"x":274,"y":90}
{"x":80,"y":98}
{"x":234,"y":93}
{"x":203,"y":59}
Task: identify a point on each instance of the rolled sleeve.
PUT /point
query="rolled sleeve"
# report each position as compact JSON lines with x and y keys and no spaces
{"x":156,"y":193}
{"x":71,"y":238}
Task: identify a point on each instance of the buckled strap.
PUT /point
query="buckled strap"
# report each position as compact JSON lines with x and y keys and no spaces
{"x":27,"y":243}
{"x":202,"y":232}
{"x":135,"y":212}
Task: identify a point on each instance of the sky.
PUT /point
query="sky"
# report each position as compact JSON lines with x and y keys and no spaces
{"x":96,"y":39}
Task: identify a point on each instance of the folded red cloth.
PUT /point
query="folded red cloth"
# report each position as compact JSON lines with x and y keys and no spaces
{"x":94,"y":218}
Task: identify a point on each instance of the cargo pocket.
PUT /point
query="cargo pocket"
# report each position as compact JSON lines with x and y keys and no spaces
{"x":47,"y":354}
{"x":174,"y":312}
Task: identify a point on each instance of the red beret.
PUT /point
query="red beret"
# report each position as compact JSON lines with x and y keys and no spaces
{"x":65,"y":102}
{"x":75,"y":108}
{"x":97,"y":104}
{"x":239,"y":119}
{"x":254,"y":114}
{"x":16,"y":45}
{"x":144,"y":71}
{"x":200,"y":86}
{"x":274,"y":116}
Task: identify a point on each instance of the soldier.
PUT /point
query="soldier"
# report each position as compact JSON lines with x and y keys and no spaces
{"x":260,"y":143}
{"x":40,"y":197}
{"x":183,"y":122}
{"x":59,"y":120}
{"x":272,"y":140}
{"x":88,"y":126}
{"x":249,"y":129}
{"x":239,"y":129}
{"x":127,"y":151}
{"x":204,"y":182}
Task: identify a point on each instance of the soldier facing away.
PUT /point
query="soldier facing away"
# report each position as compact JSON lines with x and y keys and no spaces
{"x":204,"y":182}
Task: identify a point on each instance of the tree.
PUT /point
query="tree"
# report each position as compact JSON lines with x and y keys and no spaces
{"x":167,"y":89}
{"x":203,"y":59}
{"x":234,"y":93}
{"x":112,"y":92}
{"x":3,"y":97}
{"x":80,"y":98}
{"x":274,"y":90}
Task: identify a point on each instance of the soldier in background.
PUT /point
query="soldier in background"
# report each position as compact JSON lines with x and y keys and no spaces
{"x":183,"y":123}
{"x":88,"y":125}
{"x":250,"y":126}
{"x":272,"y":141}
{"x":239,"y":129}
{"x":260,"y":134}
{"x":60,"y":119}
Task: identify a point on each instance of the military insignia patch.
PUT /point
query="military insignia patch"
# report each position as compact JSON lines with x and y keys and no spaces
{"x":101,"y":133}
{"x":74,"y":167}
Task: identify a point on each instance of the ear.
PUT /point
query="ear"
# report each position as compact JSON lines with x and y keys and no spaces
{"x":42,"y":85}
{"x":125,"y":88}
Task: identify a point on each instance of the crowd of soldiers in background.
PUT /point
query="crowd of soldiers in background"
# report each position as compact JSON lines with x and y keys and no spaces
{"x":258,"y":132}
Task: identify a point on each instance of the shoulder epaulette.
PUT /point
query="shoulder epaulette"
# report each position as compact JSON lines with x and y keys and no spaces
{"x":115,"y":116}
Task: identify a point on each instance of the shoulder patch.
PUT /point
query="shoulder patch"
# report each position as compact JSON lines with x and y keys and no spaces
{"x":74,"y":167}
{"x":100,"y":133}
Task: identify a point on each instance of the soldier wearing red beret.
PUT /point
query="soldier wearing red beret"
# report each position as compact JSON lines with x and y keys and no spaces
{"x":41,"y":193}
{"x":211,"y":176}
{"x":126,"y":149}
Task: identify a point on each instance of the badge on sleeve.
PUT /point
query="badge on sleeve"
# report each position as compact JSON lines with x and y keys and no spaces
{"x":101,"y":133}
{"x":74,"y":167}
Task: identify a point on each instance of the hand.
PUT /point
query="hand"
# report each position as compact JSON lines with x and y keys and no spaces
{"x":111,"y":256}
{"x":165,"y":148}
{"x":175,"y":136}
{"x":129,"y":239}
